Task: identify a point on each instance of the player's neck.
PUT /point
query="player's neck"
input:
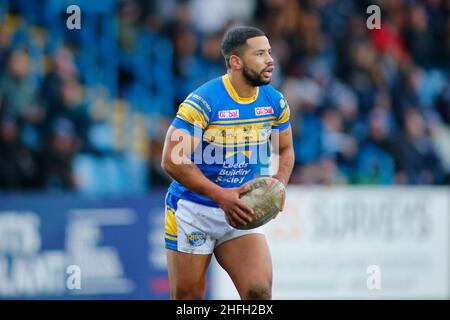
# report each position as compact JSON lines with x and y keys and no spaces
{"x":241,"y":86}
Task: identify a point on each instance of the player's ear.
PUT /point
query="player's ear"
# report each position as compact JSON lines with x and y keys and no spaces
{"x":235,"y":62}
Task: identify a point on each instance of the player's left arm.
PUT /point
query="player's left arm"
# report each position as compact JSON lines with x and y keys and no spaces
{"x":286,"y":157}
{"x":285,"y":152}
{"x":282,"y":144}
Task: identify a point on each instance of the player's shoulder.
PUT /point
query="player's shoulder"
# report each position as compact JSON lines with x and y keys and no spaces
{"x":276,"y":98}
{"x":207,"y":94}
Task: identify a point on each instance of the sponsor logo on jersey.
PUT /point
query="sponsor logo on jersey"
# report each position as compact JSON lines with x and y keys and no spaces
{"x":196,"y":96}
{"x":262,"y":111}
{"x":197,"y":238}
{"x":229,"y":114}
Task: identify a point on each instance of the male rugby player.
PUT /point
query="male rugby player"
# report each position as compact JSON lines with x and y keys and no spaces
{"x":214,"y":146}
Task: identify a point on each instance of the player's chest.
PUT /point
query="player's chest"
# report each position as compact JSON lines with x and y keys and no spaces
{"x":244,"y":124}
{"x":230,"y":114}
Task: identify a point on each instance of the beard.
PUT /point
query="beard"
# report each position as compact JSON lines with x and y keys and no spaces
{"x":254,"y":78}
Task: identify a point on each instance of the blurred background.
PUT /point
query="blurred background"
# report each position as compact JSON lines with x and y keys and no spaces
{"x":84,"y":112}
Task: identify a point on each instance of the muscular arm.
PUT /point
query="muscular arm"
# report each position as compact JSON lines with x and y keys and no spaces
{"x":178,"y":148}
{"x":286,"y":154}
{"x":176,"y":162}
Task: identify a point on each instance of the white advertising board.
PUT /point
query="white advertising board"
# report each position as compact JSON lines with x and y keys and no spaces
{"x":357,"y":243}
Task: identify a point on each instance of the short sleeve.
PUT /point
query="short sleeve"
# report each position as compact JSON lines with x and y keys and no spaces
{"x":282,"y":121}
{"x":193,"y":112}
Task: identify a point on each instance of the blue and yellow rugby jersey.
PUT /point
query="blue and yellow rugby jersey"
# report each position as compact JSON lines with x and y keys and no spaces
{"x":234,"y":133}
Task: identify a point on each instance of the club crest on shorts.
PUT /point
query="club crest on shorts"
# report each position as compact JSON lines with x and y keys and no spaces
{"x":197,"y":238}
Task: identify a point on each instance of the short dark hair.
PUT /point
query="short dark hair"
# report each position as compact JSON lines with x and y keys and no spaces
{"x":235,"y":39}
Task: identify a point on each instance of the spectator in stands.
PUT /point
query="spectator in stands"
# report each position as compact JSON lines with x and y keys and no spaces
{"x":62,"y":68}
{"x":415,"y":155}
{"x":59,"y":153}
{"x":25,"y":106}
{"x":73,"y":110}
{"x":419,"y":39}
{"x":5,"y":48}
{"x":375,"y":162}
{"x":20,"y":168}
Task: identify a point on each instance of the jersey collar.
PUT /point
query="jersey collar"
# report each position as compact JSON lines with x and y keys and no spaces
{"x":234,"y":95}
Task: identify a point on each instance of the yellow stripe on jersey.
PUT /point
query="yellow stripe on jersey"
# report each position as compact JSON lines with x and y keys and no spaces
{"x":243,"y":134}
{"x":284,"y":117}
{"x":247,"y":153}
{"x":191,"y":115}
{"x":234,"y":95}
{"x":199,"y":108}
{"x":230,"y":144}
{"x":244,"y":120}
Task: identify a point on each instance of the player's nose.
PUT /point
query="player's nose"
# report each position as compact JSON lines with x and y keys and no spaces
{"x":269,"y":60}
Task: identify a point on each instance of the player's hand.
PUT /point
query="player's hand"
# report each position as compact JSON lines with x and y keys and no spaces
{"x":236,"y":211}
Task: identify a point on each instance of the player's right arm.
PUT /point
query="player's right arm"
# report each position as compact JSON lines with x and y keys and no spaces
{"x":176,"y":161}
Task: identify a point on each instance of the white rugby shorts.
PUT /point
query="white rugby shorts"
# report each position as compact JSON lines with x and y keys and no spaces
{"x":195,"y":228}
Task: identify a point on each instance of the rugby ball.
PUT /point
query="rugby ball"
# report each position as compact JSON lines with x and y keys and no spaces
{"x":265,"y":197}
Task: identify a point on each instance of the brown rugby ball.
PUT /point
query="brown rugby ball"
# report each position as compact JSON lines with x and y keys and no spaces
{"x":265,"y":197}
